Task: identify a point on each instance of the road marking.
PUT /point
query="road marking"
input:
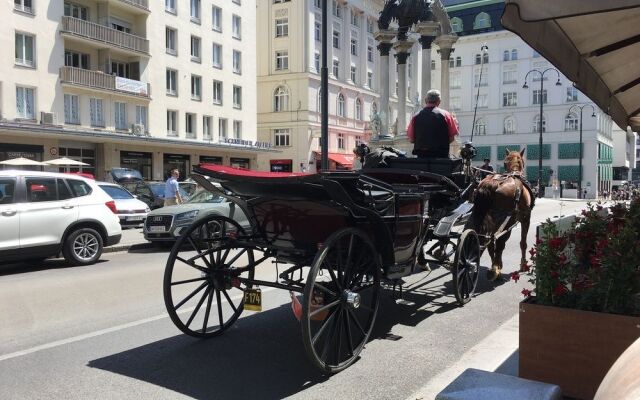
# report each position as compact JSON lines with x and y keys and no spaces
{"x":101,"y":332}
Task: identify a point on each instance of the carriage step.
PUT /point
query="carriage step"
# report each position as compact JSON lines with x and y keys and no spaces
{"x":475,"y":384}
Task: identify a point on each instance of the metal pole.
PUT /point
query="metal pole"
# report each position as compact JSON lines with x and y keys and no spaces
{"x":580,"y":161}
{"x":324,"y":91}
{"x":540,"y":138}
{"x":483,"y":49}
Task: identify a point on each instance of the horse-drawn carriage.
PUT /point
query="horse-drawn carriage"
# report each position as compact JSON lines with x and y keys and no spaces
{"x":338,"y":236}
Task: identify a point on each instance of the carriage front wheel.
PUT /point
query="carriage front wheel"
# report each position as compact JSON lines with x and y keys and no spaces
{"x":466,"y":266}
{"x":341,"y":299}
{"x":204,"y":277}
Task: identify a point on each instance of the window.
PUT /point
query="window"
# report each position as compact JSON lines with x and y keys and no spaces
{"x":24,"y":50}
{"x":79,"y":188}
{"x":7,"y":189}
{"x":120,"y":115}
{"x":452,"y":62}
{"x":336,"y":69}
{"x":572,"y":94}
{"x":23,"y":5}
{"x":237,"y":129}
{"x":96,"y":111}
{"x":482,"y":20}
{"x":341,"y":141}
{"x":41,"y":189}
{"x":482,"y":101}
{"x":75,"y":11}
{"x":25,"y":103}
{"x":478,"y":59}
{"x":217,"y":55}
{"x":63,"y":191}
{"x":282,"y":60}
{"x":485,"y":58}
{"x":336,"y":39}
{"x":514,"y":54}
{"x":480,"y":77}
{"x":358,"y":141}
{"x":536,"y":97}
{"x":196,"y":87}
{"x":354,"y":74}
{"x":71,"y":109}
{"x":172,"y":82}
{"x":337,"y":9}
{"x":509,"y":99}
{"x":281,"y":137}
{"x":369,"y":26}
{"x":207,"y":133}
{"x":354,"y":47}
{"x":505,"y":55}
{"x":75,"y":59}
{"x":190,"y":125}
{"x":216,"y":18}
{"x":455,"y":80}
{"x":455,"y":103}
{"x":458,"y":61}
{"x":222,"y":128}
{"x":370,"y":53}
{"x":456,"y":24}
{"x":433,"y":65}
{"x":141,"y":116}
{"x":317,"y":31}
{"x":236,"y":27}
{"x":170,"y":6}
{"x":281,"y":99}
{"x":509,"y":126}
{"x":341,"y":108}
{"x":571,"y":122}
{"x":217,"y":92}
{"x":237,"y":62}
{"x":237,"y":97}
{"x":282,"y":27}
{"x":172,"y":123}
{"x":170,"y":38}
{"x":536,"y":124}
{"x":195,"y":48}
{"x":195,"y":11}
{"x":509,"y":74}
{"x":316,"y":61}
{"x":359,"y":109}
{"x":120,"y":69}
{"x":317,"y":3}
{"x":481,"y":127}
{"x":370,"y":79}
{"x":355,"y":18}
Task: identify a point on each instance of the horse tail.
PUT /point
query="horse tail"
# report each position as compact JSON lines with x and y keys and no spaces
{"x":482,"y":204}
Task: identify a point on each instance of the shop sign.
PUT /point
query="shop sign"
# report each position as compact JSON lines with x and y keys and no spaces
{"x":250,"y":143}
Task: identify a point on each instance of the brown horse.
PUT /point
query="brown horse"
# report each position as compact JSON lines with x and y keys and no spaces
{"x":501,"y":201}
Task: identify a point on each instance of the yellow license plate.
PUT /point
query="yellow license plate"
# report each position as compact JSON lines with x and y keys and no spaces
{"x":253,"y":300}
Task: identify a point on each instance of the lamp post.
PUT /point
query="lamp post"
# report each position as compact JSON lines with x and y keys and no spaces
{"x":324,"y":90}
{"x":593,"y":114}
{"x":540,"y":118}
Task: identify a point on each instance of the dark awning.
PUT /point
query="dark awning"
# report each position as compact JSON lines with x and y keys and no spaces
{"x":594,"y":43}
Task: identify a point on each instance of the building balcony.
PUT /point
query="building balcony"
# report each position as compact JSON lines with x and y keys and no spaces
{"x":142,"y":5}
{"x":113,"y":38}
{"x":98,"y":80}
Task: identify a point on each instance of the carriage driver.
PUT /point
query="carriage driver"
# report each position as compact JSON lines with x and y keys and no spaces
{"x":432,"y":129}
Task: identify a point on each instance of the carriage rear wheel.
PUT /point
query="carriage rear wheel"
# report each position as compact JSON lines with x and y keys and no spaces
{"x":466,"y":266}
{"x":341,"y":299}
{"x":207,"y":262}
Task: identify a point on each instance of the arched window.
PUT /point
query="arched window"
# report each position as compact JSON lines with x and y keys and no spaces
{"x":509,"y":126}
{"x":536,"y":124}
{"x":505,"y":55}
{"x":571,"y":122}
{"x":456,"y":24}
{"x":281,"y":99}
{"x":514,"y":54}
{"x":359,"y":109}
{"x":341,"y":105}
{"x":481,"y":127}
{"x":482,"y":20}
{"x":485,"y":58}
{"x":458,"y":61}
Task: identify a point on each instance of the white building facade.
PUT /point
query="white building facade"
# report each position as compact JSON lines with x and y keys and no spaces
{"x":130,"y":83}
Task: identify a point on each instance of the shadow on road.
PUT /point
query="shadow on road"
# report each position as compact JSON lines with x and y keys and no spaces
{"x":41,"y":265}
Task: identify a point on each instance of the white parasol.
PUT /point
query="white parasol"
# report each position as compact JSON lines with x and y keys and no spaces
{"x":21,"y":161}
{"x":64,"y":161}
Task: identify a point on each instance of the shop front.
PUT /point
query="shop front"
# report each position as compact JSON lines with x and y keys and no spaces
{"x":138,"y":160}
{"x":9,"y":151}
{"x":281,"y":165}
{"x":240,"y":162}
{"x":337,"y":161}
{"x":211,"y":160}
{"x":181,"y":162}
{"x":78,"y":151}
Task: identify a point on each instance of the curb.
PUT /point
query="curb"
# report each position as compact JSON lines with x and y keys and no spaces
{"x":127,"y":247}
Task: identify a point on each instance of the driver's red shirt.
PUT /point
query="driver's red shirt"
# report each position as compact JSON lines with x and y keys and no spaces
{"x":451,"y":122}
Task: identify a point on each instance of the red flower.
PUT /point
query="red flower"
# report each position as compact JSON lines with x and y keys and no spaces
{"x":525,"y":267}
{"x":556,"y":243}
{"x":515,"y":276}
{"x":559,"y":290}
{"x":595,"y":261}
{"x":554,"y":274}
{"x":532,"y":252}
{"x":562,"y":259}
{"x":526,"y":292}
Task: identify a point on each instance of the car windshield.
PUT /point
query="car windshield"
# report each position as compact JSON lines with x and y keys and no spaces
{"x":125,"y":174}
{"x":116,"y":193}
{"x":205,"y":196}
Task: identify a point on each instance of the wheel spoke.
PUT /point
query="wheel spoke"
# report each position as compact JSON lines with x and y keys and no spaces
{"x":223,"y":258}
{"x":226,"y":295}
{"x":195,"y":311}
{"x":208,"y":310}
{"x":193,"y":265}
{"x":219,"y":304}
{"x":327,"y":321}
{"x":191,"y":295}
{"x":348,"y":328}
{"x":324,"y":308}
{"x":324,"y":289}
{"x":190,"y":239}
{"x":327,"y":342}
{"x":355,"y":319}
{"x":202,"y":278}
{"x":332,"y":275}
{"x":237,"y":256}
{"x":346,"y":264}
{"x":339,"y":330}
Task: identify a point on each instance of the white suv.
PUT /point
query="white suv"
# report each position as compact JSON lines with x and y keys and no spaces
{"x":43,"y":214}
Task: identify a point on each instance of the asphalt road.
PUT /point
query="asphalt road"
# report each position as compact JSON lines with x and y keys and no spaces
{"x":102,"y":332}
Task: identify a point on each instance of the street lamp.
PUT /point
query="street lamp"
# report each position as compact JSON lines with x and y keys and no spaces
{"x":593,"y":114}
{"x":540,"y":119}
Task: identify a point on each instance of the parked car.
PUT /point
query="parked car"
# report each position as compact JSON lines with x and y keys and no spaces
{"x":130,"y":210}
{"x":120,"y":175}
{"x":189,"y":186}
{"x":43,"y":214}
{"x":167,"y":223}
{"x":151,"y":192}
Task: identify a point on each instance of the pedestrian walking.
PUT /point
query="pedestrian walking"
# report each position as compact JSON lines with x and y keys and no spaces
{"x":172,"y":189}
{"x":486,"y":168}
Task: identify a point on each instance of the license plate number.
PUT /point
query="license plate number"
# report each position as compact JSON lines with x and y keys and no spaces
{"x":156,"y":229}
{"x":135,"y":218}
{"x":253,"y":300}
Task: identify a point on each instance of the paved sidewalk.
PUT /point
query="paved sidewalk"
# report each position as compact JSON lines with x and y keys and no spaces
{"x":132,"y":238}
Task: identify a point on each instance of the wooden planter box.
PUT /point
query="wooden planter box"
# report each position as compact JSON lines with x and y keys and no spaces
{"x":571,"y":348}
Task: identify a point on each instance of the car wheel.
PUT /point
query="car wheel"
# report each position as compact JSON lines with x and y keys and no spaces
{"x":83,"y":247}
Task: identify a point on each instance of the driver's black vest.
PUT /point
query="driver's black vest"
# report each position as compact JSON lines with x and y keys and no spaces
{"x":431,"y":133}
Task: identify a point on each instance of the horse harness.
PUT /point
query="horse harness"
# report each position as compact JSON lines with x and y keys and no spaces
{"x":518,"y":176}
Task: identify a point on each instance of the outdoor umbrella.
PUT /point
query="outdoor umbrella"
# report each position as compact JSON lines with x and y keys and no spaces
{"x":64,"y":161}
{"x":21,"y":161}
{"x":594,"y":43}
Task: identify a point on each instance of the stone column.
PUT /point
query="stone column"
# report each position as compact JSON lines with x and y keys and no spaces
{"x":445,"y":43}
{"x":427,"y":31}
{"x":402,"y":49}
{"x":384,"y":39}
